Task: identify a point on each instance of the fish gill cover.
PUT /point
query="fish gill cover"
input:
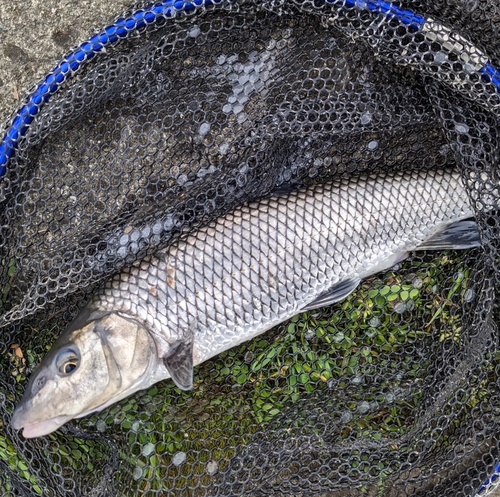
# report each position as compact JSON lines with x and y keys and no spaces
{"x":178,"y":112}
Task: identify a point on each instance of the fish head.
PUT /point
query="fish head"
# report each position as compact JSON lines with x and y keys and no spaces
{"x":101,"y":358}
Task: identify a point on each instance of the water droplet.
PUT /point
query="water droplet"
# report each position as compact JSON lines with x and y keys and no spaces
{"x":366,"y":117}
{"x":357,"y":380}
{"x":313,"y":172}
{"x":168,"y":222}
{"x":440,"y":58}
{"x":400,"y":307}
{"x":101,"y":425}
{"x":249,"y":356}
{"x":148,"y":449}
{"x":238,"y":108}
{"x":345,"y":417}
{"x":179,"y":458}
{"x":204,"y":129}
{"x":195,"y":31}
{"x":157,"y":228}
{"x":469,"y":295}
{"x":212,"y":467}
{"x":182,"y":179}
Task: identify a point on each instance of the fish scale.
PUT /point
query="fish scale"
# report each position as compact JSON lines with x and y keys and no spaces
{"x":290,"y":232}
{"x":234,"y":279}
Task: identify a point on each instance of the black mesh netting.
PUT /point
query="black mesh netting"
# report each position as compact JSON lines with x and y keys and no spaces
{"x":393,"y":391}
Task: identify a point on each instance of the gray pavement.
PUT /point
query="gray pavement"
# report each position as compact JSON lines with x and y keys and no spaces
{"x":34,"y":36}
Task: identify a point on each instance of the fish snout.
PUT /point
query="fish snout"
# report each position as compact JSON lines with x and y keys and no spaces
{"x":18,"y":419}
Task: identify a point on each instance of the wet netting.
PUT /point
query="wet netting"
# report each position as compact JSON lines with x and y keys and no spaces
{"x":177,"y":113}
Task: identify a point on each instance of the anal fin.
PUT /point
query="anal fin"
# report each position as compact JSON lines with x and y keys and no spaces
{"x":334,"y":294}
{"x":459,"y":235}
{"x":179,"y":363}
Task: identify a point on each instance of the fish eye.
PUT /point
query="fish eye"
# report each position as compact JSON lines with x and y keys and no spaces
{"x":67,"y":361}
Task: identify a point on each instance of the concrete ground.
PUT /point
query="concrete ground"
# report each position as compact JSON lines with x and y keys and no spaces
{"x":35,"y":34}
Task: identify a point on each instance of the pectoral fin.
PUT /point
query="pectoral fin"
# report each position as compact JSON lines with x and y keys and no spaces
{"x":179,"y":363}
{"x":460,"y":235}
{"x":334,"y":294}
{"x":284,"y":189}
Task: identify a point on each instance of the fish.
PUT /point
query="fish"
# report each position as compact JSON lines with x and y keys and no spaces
{"x":237,"y":277}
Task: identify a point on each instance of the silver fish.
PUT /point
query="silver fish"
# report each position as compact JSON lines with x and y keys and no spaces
{"x":234,"y":279}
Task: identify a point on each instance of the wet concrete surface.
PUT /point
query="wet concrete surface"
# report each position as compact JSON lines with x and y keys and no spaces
{"x":36,"y":34}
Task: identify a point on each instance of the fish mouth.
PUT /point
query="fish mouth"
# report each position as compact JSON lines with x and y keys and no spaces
{"x":40,"y":428}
